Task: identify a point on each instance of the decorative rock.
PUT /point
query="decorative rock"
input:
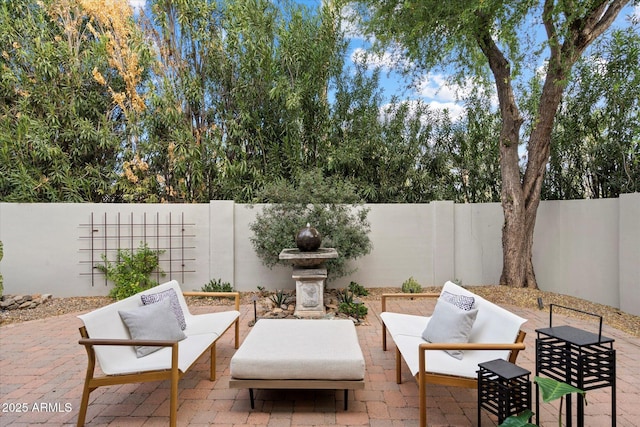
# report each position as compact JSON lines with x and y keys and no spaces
{"x":23,"y":302}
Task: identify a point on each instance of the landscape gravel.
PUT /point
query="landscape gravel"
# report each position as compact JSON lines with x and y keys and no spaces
{"x":502,"y":295}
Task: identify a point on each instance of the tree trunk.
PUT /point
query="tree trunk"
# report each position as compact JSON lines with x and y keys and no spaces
{"x":521,"y":198}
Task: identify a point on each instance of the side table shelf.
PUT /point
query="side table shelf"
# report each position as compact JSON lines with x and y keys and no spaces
{"x":580,"y":358}
{"x":504,"y":389}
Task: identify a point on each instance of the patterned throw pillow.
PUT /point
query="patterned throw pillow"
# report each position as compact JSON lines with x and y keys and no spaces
{"x":171,"y":295}
{"x":461,"y":301}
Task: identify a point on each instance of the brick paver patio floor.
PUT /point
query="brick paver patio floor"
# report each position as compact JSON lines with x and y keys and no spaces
{"x":42,"y":370}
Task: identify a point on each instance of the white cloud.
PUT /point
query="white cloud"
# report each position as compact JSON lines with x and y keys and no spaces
{"x":350,"y":23}
{"x":137,"y":4}
{"x":434,"y":86}
{"x":387,"y":61}
{"x":635,"y":16}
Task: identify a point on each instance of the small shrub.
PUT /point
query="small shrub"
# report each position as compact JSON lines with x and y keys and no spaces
{"x":411,"y":286}
{"x":358,"y":289}
{"x":330,"y":205}
{"x":344,"y":296}
{"x":280,"y":298}
{"x":217,"y":285}
{"x":131,"y":272}
{"x":349,"y":305}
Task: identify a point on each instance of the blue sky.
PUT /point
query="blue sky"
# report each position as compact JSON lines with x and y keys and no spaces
{"x":431,"y":88}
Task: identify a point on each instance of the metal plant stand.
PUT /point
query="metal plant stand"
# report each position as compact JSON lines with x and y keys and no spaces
{"x":580,"y":358}
{"x":504,"y":389}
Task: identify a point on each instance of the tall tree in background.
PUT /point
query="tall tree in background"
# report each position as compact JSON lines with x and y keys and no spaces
{"x":241,"y":96}
{"x":478,"y":37}
{"x":596,"y":152}
{"x":58,"y":143}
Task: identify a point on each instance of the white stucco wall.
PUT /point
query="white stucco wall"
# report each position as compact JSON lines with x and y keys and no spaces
{"x":586,"y":248}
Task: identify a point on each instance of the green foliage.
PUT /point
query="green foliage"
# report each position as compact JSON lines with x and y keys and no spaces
{"x":217,"y":285}
{"x":597,"y":150}
{"x":280,"y":298}
{"x":359,"y":311}
{"x":358,"y":289}
{"x":349,"y":305}
{"x":345,"y":296}
{"x":236,"y":95}
{"x":520,"y":420}
{"x":411,"y":286}
{"x":131,"y":271}
{"x":551,"y":390}
{"x":330,"y":206}
{"x":60,"y":134}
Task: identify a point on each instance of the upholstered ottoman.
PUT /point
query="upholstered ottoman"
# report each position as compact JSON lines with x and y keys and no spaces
{"x":300,"y":354}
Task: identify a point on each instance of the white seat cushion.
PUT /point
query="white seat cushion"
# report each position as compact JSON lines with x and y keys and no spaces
{"x":493,"y":325}
{"x":123,"y":360}
{"x":285,"y":349}
{"x":105,"y":322}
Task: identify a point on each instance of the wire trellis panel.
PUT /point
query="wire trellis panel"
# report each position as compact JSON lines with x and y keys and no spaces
{"x":105,"y":235}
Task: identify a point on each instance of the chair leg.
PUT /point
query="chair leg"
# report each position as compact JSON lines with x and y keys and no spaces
{"x":212,"y":365}
{"x":398,"y":367}
{"x":384,"y":337}
{"x":237,"y":333}
{"x":175,"y":378}
{"x":84,"y":403}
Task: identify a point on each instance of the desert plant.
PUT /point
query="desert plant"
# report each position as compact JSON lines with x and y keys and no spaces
{"x":356,"y":310}
{"x":345,"y":296}
{"x":279,"y":298}
{"x":330,"y":206}
{"x":217,"y":285}
{"x":551,"y":390}
{"x":358,"y":289}
{"x":411,"y":286}
{"x":131,"y":271}
{"x":349,"y":305}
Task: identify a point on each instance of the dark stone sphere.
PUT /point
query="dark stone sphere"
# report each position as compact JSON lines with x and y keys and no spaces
{"x":308,"y":239}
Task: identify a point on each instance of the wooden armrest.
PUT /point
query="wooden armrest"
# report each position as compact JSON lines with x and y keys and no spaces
{"x":470,"y":346}
{"x":124,"y":342}
{"x":235,"y":295}
{"x":404,"y":295}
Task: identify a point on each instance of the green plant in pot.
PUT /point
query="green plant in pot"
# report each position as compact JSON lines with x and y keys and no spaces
{"x":551,"y":390}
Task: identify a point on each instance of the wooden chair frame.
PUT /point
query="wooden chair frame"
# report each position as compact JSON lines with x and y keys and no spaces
{"x":174,"y":374}
{"x":424,"y":376}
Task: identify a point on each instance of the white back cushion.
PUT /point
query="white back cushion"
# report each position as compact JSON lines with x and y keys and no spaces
{"x":493,"y":324}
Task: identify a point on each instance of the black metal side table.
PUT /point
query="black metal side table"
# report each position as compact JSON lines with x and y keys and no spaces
{"x":583,"y":359}
{"x":504,"y":389}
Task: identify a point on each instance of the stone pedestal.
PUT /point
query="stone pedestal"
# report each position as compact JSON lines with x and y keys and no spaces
{"x":310,"y":274}
{"x":309,"y":292}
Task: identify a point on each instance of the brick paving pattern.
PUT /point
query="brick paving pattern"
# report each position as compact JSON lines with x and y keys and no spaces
{"x":42,"y":370}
